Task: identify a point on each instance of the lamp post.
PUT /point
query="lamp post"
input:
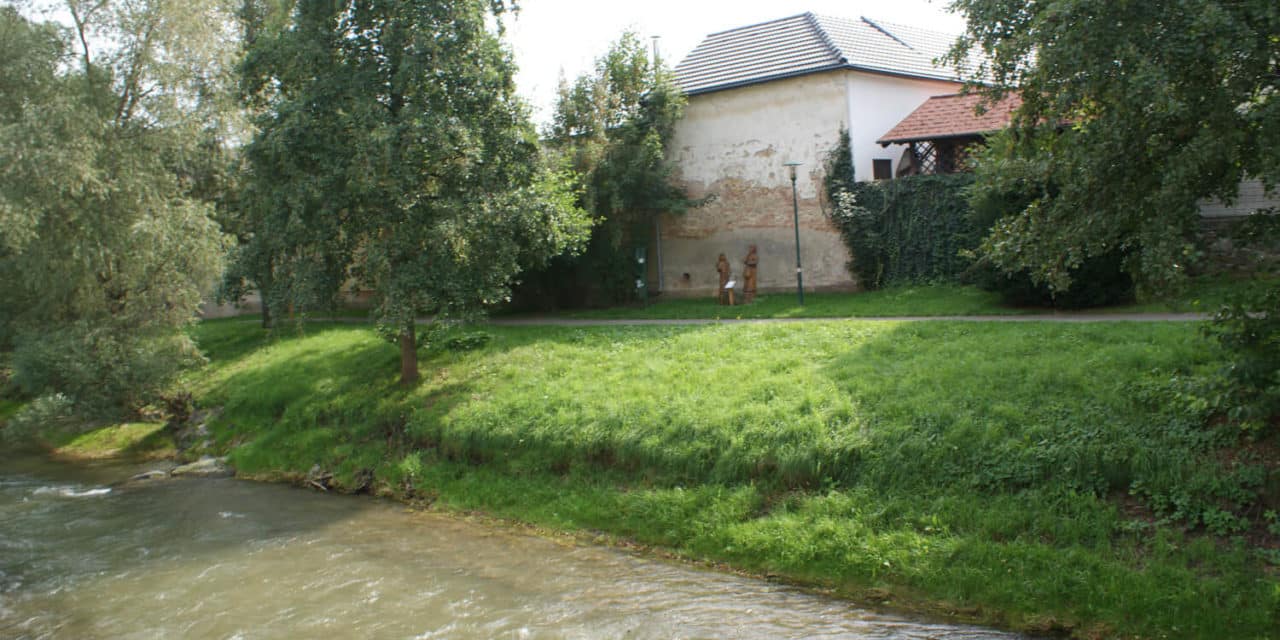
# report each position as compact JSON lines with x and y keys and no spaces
{"x":795,"y":213}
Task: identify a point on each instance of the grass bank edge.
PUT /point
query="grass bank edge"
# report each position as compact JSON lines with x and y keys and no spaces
{"x":750,"y":527}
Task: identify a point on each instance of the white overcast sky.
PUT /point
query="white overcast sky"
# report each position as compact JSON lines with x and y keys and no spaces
{"x":553,"y":35}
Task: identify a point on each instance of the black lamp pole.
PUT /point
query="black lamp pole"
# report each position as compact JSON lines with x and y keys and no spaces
{"x":795,"y":213}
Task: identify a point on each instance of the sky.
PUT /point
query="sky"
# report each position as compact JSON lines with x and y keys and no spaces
{"x":551,"y":36}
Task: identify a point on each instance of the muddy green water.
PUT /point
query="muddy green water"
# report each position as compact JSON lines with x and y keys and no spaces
{"x":82,"y":559}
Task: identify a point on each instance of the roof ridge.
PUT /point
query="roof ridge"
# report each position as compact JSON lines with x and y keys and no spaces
{"x":826,"y":37}
{"x":885,"y":31}
{"x":757,"y":24}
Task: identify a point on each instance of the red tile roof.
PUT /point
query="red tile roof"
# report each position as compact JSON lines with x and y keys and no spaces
{"x":951,"y":116}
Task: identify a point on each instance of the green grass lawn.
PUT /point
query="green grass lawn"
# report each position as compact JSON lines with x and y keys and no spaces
{"x":922,"y":300}
{"x":1034,"y":475}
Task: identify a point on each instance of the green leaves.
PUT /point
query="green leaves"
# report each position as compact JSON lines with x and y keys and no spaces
{"x":1132,"y":112}
{"x":393,"y":155}
{"x":109,"y":169}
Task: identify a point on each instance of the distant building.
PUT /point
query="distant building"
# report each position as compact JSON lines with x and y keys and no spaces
{"x":779,"y":91}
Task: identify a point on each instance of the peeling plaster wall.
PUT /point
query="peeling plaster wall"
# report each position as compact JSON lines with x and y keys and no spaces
{"x":732,"y":144}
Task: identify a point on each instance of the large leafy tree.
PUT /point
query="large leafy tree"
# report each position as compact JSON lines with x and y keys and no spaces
{"x":1131,"y":113}
{"x":107,"y":241}
{"x":611,"y":126}
{"x":394,"y":154}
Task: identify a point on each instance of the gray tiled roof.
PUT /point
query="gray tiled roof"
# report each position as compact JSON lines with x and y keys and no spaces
{"x":809,"y":43}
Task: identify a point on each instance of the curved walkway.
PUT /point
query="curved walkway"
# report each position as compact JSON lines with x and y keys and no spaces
{"x":527,"y":321}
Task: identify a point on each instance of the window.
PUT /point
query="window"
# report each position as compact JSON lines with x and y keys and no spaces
{"x":882,"y":169}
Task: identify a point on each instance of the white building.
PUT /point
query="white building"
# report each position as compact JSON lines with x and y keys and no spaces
{"x":779,"y":91}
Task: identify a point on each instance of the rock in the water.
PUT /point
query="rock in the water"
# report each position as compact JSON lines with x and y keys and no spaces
{"x":206,"y":467}
{"x":154,"y":474}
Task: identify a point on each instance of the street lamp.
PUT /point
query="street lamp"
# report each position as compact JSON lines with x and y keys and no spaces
{"x":795,"y":213}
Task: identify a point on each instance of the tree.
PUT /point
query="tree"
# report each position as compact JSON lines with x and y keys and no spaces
{"x":611,"y":126}
{"x":394,"y":153}
{"x":1131,"y":113}
{"x":107,"y":241}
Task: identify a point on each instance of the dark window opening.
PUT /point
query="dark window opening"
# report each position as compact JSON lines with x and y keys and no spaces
{"x":882,"y":169}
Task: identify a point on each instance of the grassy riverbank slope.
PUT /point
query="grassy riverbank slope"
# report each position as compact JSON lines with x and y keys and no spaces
{"x":1038,"y":476}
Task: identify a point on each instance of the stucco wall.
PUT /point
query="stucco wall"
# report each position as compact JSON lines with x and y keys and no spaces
{"x":877,"y":103}
{"x":732,"y":144}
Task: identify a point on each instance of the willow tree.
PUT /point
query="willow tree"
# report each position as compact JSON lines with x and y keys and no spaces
{"x":395,"y":155}
{"x":107,"y":240}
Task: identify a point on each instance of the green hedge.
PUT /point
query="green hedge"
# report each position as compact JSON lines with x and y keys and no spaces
{"x":913,"y":229}
{"x":922,"y":229}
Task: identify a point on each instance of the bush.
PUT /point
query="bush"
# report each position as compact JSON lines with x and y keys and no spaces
{"x":929,"y":228}
{"x":1249,"y":384}
{"x":1097,"y":282}
{"x":47,"y":413}
{"x":103,"y":373}
{"x":909,"y":230}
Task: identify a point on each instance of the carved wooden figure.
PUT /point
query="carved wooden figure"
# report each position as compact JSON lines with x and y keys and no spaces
{"x":723,"y":268}
{"x":749,"y":275}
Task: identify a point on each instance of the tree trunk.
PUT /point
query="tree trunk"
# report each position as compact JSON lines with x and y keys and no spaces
{"x":408,"y":355}
{"x":266,"y":315}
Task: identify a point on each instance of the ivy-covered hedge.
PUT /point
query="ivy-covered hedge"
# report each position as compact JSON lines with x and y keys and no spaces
{"x":926,"y":229}
{"x":913,"y":229}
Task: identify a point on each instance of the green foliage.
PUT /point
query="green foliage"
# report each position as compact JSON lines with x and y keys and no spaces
{"x":1250,"y":391}
{"x":967,"y":463}
{"x":104,"y":370}
{"x":1134,"y":112}
{"x":107,"y":241}
{"x":909,"y":230}
{"x":368,"y":166}
{"x":611,"y":127}
{"x":52,"y":411}
{"x":927,"y":229}
{"x":468,"y":341}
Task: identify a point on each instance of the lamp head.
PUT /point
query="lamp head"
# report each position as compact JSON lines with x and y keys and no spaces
{"x":791,"y":168}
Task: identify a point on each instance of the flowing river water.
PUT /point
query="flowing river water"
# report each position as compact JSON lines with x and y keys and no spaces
{"x":83,"y":557}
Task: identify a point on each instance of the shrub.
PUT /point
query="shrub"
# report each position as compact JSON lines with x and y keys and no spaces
{"x":1097,"y":282}
{"x":113,"y":373}
{"x":47,"y":413}
{"x":1249,"y":384}
{"x":914,"y":229}
{"x":929,"y":229}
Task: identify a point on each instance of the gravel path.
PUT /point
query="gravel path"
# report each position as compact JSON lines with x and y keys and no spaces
{"x":1045,"y":317}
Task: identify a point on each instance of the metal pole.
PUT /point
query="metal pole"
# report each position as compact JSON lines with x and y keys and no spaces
{"x":657,"y":232}
{"x":795,"y":212}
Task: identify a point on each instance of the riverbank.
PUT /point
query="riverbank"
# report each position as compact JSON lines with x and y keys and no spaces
{"x":1035,"y":476}
{"x":228,"y":559}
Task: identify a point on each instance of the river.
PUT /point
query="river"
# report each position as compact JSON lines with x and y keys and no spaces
{"x":83,"y":559}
